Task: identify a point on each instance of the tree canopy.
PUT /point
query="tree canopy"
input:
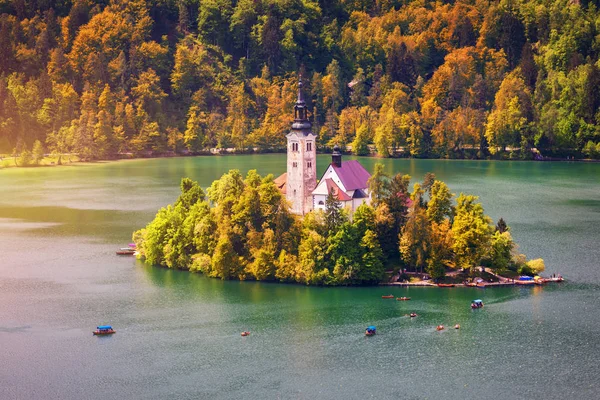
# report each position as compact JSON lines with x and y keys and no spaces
{"x":456,"y":79}
{"x":242,"y":228}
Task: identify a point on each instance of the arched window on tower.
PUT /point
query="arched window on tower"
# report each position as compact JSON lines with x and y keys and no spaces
{"x":309,"y":146}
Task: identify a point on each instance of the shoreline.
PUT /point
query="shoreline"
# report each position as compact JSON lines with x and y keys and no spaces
{"x":482,"y":285}
{"x":233,"y":152}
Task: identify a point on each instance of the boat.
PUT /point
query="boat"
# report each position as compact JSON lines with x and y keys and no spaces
{"x":104,"y":330}
{"x":412,"y":314}
{"x":371,"y":330}
{"x":402,"y":298}
{"x":246,"y":333}
{"x":389,"y":296}
{"x":445,"y":284}
{"x":126,"y":251}
{"x":457,"y":326}
{"x":525,"y":280}
{"x":476,"y":304}
{"x":439,"y":328}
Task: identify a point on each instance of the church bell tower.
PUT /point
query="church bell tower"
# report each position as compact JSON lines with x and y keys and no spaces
{"x":301,"y":159}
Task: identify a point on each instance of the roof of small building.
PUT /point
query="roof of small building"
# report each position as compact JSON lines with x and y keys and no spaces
{"x":280,"y":182}
{"x":353,"y":175}
{"x":337,"y":192}
{"x":359,"y":194}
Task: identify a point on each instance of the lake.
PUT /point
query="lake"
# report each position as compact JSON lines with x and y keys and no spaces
{"x":178,"y":334}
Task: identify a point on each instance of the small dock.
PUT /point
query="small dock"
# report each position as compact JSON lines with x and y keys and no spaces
{"x":482,"y":285}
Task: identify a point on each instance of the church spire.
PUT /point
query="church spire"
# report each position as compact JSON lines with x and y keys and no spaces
{"x":300,"y":94}
{"x":301,"y":121}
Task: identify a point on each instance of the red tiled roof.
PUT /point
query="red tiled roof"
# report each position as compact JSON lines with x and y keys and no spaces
{"x":281,"y":182}
{"x":353,"y":175}
{"x":337,"y":192}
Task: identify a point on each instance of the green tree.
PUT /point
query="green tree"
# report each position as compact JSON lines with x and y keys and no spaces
{"x":501,"y":247}
{"x":224,"y":259}
{"x":440,"y":202}
{"x":415,"y":237}
{"x":507,"y":124}
{"x":37,"y":152}
{"x":334,"y":214}
{"x":471,"y":231}
{"x":371,"y":269}
{"x":264,"y":265}
{"x":360,"y":145}
{"x":440,"y":249}
{"x":311,"y":259}
{"x":378,"y":184}
{"x":25,"y":158}
{"x":501,"y":226}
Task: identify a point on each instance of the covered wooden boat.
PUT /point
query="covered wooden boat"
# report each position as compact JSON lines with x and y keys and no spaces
{"x":525,"y":280}
{"x":477,"y":304}
{"x":126,"y":251}
{"x":104,"y":330}
{"x":371,"y":330}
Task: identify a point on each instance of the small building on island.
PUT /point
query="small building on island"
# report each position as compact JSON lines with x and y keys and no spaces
{"x":348,"y":180}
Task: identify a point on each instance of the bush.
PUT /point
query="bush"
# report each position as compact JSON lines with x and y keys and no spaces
{"x":592,"y":150}
{"x":24,"y":159}
{"x":536,"y":266}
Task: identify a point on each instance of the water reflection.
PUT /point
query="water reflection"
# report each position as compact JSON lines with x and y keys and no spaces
{"x":179,"y":333}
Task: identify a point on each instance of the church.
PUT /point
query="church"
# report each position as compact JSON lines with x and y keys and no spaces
{"x":348,"y":180}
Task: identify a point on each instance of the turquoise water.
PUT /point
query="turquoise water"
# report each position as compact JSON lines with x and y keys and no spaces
{"x":178,"y":334}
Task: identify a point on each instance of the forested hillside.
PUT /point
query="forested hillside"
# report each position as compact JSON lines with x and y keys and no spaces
{"x":468,"y":78}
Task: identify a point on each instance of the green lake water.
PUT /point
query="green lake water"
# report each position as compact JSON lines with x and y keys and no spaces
{"x":178,"y":334}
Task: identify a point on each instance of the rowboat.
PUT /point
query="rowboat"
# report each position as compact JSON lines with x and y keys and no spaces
{"x":402,"y":298}
{"x":104,"y":330}
{"x":389,"y":296}
{"x":371,"y":330}
{"x":477,"y":304}
{"x":126,"y":251}
{"x":445,"y":284}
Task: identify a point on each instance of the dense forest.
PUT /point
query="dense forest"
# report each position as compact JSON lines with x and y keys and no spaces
{"x":243,"y":229}
{"x":457,"y":79}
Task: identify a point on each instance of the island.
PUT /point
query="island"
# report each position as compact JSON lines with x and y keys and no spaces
{"x":242,"y":228}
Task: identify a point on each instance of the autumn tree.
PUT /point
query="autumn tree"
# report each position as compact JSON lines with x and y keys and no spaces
{"x":471,"y":231}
